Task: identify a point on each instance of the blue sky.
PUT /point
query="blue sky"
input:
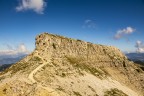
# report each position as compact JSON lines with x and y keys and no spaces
{"x":117,"y":23}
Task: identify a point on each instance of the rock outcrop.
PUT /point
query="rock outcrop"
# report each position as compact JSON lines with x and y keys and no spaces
{"x":53,"y":46}
{"x":61,"y":66}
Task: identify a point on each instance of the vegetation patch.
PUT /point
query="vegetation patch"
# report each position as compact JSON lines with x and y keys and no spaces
{"x":92,"y":88}
{"x":74,"y":60}
{"x":35,"y":58}
{"x":80,"y":63}
{"x":60,"y":89}
{"x":63,"y":74}
{"x":79,"y":40}
{"x":115,"y":92}
{"x":1,"y":78}
{"x":77,"y":93}
{"x":105,"y":71}
{"x":54,"y":46}
{"x":4,"y":91}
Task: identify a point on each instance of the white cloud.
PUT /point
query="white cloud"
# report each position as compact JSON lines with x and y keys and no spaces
{"x":35,"y":5}
{"x":22,"y":48}
{"x":139,"y":46}
{"x":89,"y":24}
{"x":123,"y":32}
{"x":14,"y":52}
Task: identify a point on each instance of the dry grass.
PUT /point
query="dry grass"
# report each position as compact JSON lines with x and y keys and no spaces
{"x":77,"y":93}
{"x":115,"y":92}
{"x":80,"y":63}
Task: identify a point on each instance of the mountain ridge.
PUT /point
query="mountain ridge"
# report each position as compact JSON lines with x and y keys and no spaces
{"x":61,"y":66}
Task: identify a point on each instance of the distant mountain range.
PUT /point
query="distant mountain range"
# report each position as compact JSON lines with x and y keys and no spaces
{"x":10,"y":60}
{"x":136,"y":56}
{"x":4,"y":66}
{"x":7,"y":61}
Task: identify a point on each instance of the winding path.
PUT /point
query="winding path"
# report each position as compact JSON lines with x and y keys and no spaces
{"x":31,"y":78}
{"x":31,"y":75}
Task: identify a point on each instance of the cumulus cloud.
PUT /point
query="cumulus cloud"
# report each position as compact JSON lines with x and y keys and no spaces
{"x":14,"y":52}
{"x":89,"y":24}
{"x":35,"y":5}
{"x":139,"y":46}
{"x":123,"y":32}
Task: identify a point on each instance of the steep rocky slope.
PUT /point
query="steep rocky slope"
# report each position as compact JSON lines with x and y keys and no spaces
{"x":61,"y":66}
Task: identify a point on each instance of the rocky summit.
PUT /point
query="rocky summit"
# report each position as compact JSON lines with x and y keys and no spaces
{"x":61,"y":66}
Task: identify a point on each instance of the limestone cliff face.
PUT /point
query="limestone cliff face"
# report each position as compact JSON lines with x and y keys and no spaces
{"x":54,"y":46}
{"x":61,"y":66}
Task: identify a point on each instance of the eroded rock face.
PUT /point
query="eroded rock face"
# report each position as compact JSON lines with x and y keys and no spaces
{"x":53,"y":46}
{"x":61,"y":66}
